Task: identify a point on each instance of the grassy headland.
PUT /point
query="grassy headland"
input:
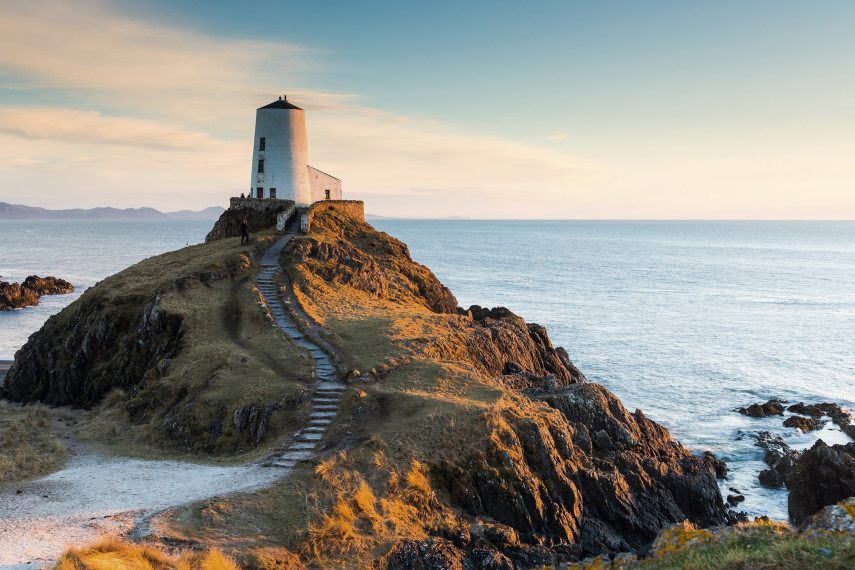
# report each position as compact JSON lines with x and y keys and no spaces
{"x":463,"y":436}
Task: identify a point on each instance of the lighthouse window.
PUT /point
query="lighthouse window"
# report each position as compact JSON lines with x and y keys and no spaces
{"x":261,"y":166}
{"x":327,"y":194}
{"x":259,"y":192}
{"x":261,"y":144}
{"x":273,"y":192}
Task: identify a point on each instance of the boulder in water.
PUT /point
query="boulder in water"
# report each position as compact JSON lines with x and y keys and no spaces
{"x":824,"y":475}
{"x":26,"y":294}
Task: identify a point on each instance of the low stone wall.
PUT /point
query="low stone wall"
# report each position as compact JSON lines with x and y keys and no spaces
{"x":259,"y":213}
{"x":352,"y":208}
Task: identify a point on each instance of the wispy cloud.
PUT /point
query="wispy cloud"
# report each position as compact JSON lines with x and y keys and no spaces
{"x":556,"y":137}
{"x":168,"y":112}
{"x":20,"y":162}
{"x":92,"y":127}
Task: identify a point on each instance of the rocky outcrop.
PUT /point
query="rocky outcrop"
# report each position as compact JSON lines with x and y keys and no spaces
{"x":104,"y":340}
{"x":804,"y":424}
{"x":779,"y":456}
{"x":47,"y":285}
{"x":370,"y":261}
{"x":839,"y":518}
{"x":82,"y":353}
{"x":719,"y":466}
{"x":500,"y":342}
{"x":255,"y":419}
{"x":27,"y":294}
{"x":583,"y":471}
{"x":771,"y":408}
{"x":259,"y":214}
{"x":824,"y":475}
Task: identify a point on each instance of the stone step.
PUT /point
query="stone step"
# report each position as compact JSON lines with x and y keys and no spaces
{"x":285,"y":463}
{"x":320,"y":422}
{"x":317,"y":400}
{"x":315,"y":429}
{"x":300,"y":446}
{"x":297,"y":456}
{"x":331,"y":386}
{"x":311,"y":436}
{"x":323,"y":415}
{"x":324,"y":407}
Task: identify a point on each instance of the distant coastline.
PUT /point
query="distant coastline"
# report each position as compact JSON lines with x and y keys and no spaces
{"x":21,"y":212}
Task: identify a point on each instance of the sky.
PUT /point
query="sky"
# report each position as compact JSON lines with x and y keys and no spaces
{"x":599,"y":109}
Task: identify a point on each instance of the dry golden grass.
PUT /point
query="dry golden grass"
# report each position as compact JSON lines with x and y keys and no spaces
{"x":355,"y":515}
{"x":28,"y":449}
{"x":114,"y":554}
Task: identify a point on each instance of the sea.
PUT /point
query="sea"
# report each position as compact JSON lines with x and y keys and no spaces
{"x":685,"y":320}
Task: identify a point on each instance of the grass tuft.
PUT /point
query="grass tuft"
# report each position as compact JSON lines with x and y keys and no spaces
{"x":113,"y":554}
{"x":28,"y":449}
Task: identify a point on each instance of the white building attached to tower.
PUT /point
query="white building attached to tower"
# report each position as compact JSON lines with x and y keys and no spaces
{"x":280,"y":158}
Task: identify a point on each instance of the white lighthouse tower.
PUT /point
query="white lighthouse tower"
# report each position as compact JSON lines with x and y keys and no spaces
{"x":280,"y":158}
{"x":280,"y":154}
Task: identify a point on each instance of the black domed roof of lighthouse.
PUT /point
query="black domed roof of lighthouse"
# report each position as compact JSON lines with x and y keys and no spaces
{"x":282,"y":103}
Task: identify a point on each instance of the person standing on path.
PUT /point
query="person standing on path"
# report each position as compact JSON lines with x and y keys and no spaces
{"x":244,"y":232}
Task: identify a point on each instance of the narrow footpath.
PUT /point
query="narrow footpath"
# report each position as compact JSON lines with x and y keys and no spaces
{"x":328,"y":387}
{"x":96,"y":496}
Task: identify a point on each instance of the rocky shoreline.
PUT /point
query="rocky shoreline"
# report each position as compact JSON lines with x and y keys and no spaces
{"x":817,"y":477}
{"x":28,"y":293}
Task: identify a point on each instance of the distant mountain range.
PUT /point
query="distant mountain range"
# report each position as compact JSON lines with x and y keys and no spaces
{"x":21,"y":212}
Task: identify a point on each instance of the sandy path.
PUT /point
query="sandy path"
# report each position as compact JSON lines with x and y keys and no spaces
{"x":96,"y":496}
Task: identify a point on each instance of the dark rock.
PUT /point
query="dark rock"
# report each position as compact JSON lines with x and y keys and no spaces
{"x":241,"y":417}
{"x":15,"y":296}
{"x":805,"y":409}
{"x":534,"y":557}
{"x":490,"y":559}
{"x":47,"y":285}
{"x":824,"y":475}
{"x":719,"y":466}
{"x":263,"y":423}
{"x":804,"y":424}
{"x":774,"y":445}
{"x":428,"y":554}
{"x":770,"y":478}
{"x":779,"y":456}
{"x":499,"y":338}
{"x":602,"y":441}
{"x":502,"y":536}
{"x":734,"y":500}
{"x":535,"y":478}
{"x":841,"y":418}
{"x":94,"y":345}
{"x":773,"y":407}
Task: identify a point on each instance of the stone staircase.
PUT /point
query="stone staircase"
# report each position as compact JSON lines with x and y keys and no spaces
{"x":328,"y":387}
